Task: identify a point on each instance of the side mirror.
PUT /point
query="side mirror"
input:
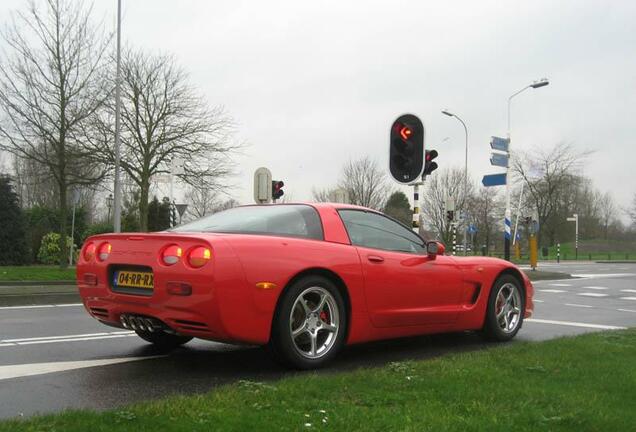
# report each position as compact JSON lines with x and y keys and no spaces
{"x":434,"y":248}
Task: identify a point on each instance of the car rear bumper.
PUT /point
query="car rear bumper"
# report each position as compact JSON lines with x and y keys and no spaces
{"x":192,"y":316}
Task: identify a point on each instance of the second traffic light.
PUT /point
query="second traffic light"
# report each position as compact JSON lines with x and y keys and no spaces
{"x":429,"y":165}
{"x":277,"y":189}
{"x":406,"y":149}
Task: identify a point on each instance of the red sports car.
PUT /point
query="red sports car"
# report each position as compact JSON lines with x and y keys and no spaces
{"x":304,"y":279}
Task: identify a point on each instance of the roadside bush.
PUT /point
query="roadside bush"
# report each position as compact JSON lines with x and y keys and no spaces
{"x":98,"y":228}
{"x":14,"y":249}
{"x":43,"y":220}
{"x":49,"y":252}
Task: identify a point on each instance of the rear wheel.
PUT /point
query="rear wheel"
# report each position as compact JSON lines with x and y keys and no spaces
{"x":310,"y":324}
{"x":506,"y":306}
{"x":163,"y":340}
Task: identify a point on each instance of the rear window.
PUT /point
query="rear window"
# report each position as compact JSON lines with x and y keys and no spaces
{"x":285,"y":220}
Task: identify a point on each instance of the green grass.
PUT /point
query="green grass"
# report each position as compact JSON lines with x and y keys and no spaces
{"x":585,"y":383}
{"x":36,"y":273}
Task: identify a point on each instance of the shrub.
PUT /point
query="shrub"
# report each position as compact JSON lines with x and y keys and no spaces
{"x":14,"y":248}
{"x":49,"y":252}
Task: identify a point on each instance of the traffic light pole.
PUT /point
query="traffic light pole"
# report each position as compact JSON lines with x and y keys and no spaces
{"x":416,"y":206}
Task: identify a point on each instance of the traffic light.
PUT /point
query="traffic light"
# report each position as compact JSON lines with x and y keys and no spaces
{"x":429,"y":165}
{"x":450,"y":215}
{"x":406,"y":149}
{"x":277,"y":189}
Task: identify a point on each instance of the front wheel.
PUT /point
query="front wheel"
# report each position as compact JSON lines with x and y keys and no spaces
{"x":162,"y":340}
{"x":310,"y":323}
{"x":506,"y":306}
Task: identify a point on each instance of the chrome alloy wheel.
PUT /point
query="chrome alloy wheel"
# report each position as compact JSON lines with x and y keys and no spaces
{"x":508,"y":307}
{"x":314,"y":322}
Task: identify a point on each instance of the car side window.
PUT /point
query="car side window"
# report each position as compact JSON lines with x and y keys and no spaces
{"x":376,"y":231}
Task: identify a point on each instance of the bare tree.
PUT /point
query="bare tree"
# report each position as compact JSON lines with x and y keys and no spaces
{"x":321,"y":195}
{"x":486,"y":214}
{"x":445,"y":183}
{"x":632,"y":211}
{"x":49,"y":87}
{"x":163,"y":118}
{"x":552,"y":178}
{"x":366,"y":183}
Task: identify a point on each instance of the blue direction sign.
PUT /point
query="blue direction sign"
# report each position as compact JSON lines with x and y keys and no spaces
{"x":500,"y":144}
{"x":472,"y":229}
{"x":494,"y":180}
{"x":499,"y":159}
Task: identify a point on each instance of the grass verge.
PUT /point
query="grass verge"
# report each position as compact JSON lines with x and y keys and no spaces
{"x":36,"y":273}
{"x":581,"y":383}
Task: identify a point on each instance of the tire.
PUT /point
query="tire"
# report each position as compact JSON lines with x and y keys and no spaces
{"x":310,"y":324}
{"x":506,"y":307}
{"x":162,"y":340}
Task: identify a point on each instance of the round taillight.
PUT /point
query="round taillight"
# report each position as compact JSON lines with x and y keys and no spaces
{"x":89,"y":251}
{"x":171,"y":255}
{"x":199,"y":256}
{"x":104,"y":251}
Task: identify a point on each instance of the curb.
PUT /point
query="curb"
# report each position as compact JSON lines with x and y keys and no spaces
{"x":616,"y":262}
{"x":37,"y":283}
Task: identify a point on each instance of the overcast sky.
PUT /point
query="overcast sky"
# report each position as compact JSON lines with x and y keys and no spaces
{"x":312,"y":84}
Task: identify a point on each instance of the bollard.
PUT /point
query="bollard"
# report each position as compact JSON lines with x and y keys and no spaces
{"x":558,"y":252}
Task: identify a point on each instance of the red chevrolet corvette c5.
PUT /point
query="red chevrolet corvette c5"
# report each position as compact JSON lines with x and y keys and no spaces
{"x":304,"y":279}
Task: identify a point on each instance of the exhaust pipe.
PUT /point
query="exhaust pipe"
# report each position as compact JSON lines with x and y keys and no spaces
{"x":150,"y":326}
{"x":124,"y":321}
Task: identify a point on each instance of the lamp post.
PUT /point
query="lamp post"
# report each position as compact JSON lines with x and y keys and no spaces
{"x":117,"y":197}
{"x":450,"y":114}
{"x":507,"y":224}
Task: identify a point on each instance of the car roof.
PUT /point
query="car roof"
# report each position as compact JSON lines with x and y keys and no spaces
{"x":319,"y":205}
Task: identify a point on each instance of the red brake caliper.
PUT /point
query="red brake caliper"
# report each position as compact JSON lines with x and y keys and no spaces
{"x":323,"y":316}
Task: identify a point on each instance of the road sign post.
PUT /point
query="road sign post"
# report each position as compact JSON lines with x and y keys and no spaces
{"x":494,"y":180}
{"x":575,"y":219}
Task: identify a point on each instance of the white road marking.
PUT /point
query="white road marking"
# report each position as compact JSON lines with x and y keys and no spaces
{"x":24,"y":370}
{"x":66,"y":338}
{"x":595,"y":287}
{"x":628,"y":298}
{"x":575,"y":324}
{"x":560,"y":284}
{"x":628,"y":290}
{"x":626,"y":310}
{"x":538,"y":301}
{"x":593,"y":294}
{"x":578,"y":305}
{"x":552,"y":290}
{"x":41,"y":306}
{"x":602,"y":275}
{"x":75,"y":339}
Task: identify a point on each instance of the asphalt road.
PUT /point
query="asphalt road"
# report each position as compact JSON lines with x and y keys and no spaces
{"x":54,"y":357}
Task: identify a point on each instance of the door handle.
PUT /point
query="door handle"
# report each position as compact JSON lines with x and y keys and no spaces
{"x":375,"y":258}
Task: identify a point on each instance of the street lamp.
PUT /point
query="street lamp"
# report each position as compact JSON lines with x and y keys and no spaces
{"x":117,"y":197}
{"x":536,"y":84}
{"x":450,"y":114}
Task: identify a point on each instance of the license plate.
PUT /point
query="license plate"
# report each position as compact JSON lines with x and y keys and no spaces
{"x":134,"y":279}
